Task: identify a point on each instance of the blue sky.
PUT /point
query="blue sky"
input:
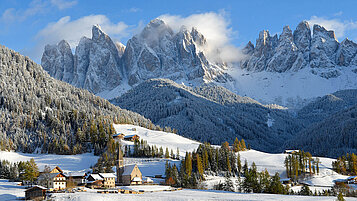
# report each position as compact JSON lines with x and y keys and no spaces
{"x":27,"y":25}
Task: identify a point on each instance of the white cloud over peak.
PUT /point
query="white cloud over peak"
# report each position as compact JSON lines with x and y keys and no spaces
{"x":73,"y":30}
{"x":339,"y":27}
{"x":63,"y":4}
{"x":216,"y":29}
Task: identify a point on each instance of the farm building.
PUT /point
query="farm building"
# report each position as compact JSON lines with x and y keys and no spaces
{"x":119,"y":136}
{"x":36,"y":193}
{"x":131,"y":138}
{"x":55,"y":181}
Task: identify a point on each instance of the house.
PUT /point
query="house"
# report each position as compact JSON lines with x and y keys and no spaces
{"x":352,"y":180}
{"x":94,"y":181}
{"x":291,"y":151}
{"x":131,"y":175}
{"x":36,"y":193}
{"x":119,"y":136}
{"x":77,"y":177}
{"x":56,"y":170}
{"x":131,"y":137}
{"x":148,"y":181}
{"x":108,"y":179}
{"x":56,"y":181}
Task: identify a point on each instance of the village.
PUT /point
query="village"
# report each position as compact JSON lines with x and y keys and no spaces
{"x":132,"y":176}
{"x":55,"y":180}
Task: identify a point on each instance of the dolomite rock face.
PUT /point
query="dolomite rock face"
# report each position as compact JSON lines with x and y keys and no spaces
{"x":99,"y":64}
{"x":300,"y":49}
{"x":158,"y":52}
{"x":95,"y":65}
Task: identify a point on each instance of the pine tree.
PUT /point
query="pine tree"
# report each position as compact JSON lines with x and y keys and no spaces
{"x":228,"y":184}
{"x":167,"y":153}
{"x":236,"y":145}
{"x":188,"y":164}
{"x":199,"y":166}
{"x":340,"y":197}
{"x":31,"y":171}
{"x":178,"y":154}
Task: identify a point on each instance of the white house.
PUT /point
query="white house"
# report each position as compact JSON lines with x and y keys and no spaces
{"x":54,"y":181}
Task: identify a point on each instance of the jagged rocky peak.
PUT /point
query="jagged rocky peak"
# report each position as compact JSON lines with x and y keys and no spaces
{"x":346,"y":53}
{"x":297,"y":50}
{"x":120,"y":47}
{"x":95,"y":65}
{"x":57,"y":60}
{"x":198,"y":37}
{"x":154,"y":31}
{"x":302,"y":36}
{"x":285,"y":53}
{"x":323,"y":48}
{"x":159,"y":52}
{"x":249,"y":48}
{"x":320,"y":30}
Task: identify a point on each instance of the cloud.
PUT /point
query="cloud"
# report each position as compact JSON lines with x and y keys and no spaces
{"x":73,"y":30}
{"x":62,"y":4}
{"x":216,"y":29}
{"x":35,"y":7}
{"x":11,"y":14}
{"x":134,"y":10}
{"x":340,"y":27}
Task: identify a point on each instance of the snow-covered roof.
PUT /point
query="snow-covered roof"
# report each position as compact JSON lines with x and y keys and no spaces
{"x":351,"y":177}
{"x":130,"y":136}
{"x":137,"y":179}
{"x":118,"y":134}
{"x":149,"y":180}
{"x":107,"y":175}
{"x":48,"y":175}
{"x":75,"y":174}
{"x":96,"y":177}
{"x":128,"y":169}
{"x":37,"y":186}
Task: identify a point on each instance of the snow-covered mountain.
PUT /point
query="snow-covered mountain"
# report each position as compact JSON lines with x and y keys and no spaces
{"x":95,"y":65}
{"x":104,"y":67}
{"x":280,"y":69}
{"x":294,"y":51}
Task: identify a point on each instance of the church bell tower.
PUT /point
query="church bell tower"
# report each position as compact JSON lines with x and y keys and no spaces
{"x":120,"y":166}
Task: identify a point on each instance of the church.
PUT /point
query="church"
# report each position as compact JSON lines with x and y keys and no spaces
{"x":128,"y":174}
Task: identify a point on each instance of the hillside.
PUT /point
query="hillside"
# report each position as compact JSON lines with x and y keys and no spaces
{"x":219,"y":116}
{"x":334,"y":136}
{"x":40,"y":113}
{"x":328,"y":105}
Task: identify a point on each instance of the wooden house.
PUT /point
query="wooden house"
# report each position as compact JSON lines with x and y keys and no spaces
{"x":94,"y":181}
{"x":291,"y":151}
{"x":56,"y":181}
{"x":132,"y":175}
{"x":131,"y":137}
{"x":56,"y":170}
{"x":352,"y":180}
{"x":108,"y":179}
{"x":77,"y":177}
{"x":36,"y":193}
{"x":119,"y":136}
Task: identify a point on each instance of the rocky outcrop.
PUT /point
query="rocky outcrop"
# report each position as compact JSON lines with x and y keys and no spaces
{"x":299,"y":50}
{"x":158,"y":52}
{"x":58,"y":61}
{"x":95,"y":65}
{"x":99,"y":64}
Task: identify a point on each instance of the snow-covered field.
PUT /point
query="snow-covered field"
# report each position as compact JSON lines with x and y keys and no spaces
{"x":187,"y":195}
{"x":159,"y":138}
{"x":79,"y":162}
{"x":291,"y":89}
{"x":275,"y":163}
